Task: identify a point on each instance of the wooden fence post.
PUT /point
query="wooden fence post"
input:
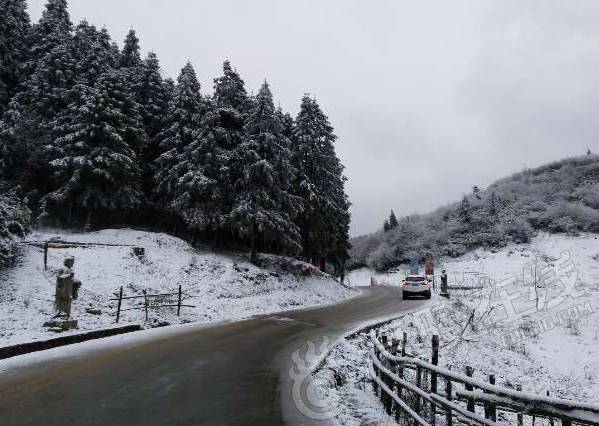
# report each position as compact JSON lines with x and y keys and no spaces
{"x":375,"y":384}
{"x":382,"y":375}
{"x":469,"y":373}
{"x":394,"y":386}
{"x":490,"y":408}
{"x":551,"y":423}
{"x":449,"y":397}
{"x":179,"y":303}
{"x":519,"y":416}
{"x":118,"y":307}
{"x":146,"y":303}
{"x":46,"y":256}
{"x":434,"y":361}
{"x":419,"y":386}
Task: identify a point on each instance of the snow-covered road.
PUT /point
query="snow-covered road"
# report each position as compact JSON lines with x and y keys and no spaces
{"x":238,"y":373}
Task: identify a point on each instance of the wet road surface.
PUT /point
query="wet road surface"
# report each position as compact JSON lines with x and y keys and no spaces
{"x":230,"y":374}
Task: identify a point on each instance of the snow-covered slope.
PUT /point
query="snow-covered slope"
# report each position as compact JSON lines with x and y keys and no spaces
{"x":222,"y":287}
{"x":550,"y":345}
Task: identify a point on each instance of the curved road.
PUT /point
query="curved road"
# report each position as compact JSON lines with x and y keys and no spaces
{"x":231,"y":374}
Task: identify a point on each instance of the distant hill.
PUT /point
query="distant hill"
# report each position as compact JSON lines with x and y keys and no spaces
{"x":560,"y":197}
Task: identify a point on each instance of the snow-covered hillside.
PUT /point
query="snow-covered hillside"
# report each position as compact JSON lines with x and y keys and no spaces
{"x":221,"y":286}
{"x":550,"y":344}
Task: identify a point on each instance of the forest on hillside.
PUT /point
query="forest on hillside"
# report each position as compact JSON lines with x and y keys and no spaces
{"x":561,"y":197}
{"x":92,"y":135}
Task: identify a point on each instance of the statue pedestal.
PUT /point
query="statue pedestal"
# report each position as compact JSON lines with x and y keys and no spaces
{"x":61,"y":324}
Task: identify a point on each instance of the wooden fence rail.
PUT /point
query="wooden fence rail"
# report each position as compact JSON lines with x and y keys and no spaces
{"x":409,"y":389}
{"x":165,"y":300}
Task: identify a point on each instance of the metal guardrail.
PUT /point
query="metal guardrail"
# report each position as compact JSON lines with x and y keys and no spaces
{"x":409,"y":389}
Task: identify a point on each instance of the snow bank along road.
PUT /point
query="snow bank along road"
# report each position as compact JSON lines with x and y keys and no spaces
{"x":236,"y":373}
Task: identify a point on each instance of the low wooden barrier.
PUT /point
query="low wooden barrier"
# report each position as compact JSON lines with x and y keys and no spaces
{"x":409,"y":389}
{"x":150,"y":301}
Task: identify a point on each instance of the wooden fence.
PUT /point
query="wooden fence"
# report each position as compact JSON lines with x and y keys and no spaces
{"x":147,"y":301}
{"x":418,"y":392}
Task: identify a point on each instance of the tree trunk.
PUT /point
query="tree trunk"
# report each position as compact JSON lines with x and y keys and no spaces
{"x":88,"y":221}
{"x":253,"y":253}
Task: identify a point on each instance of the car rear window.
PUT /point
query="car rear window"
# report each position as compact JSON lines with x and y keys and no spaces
{"x":415,"y":279}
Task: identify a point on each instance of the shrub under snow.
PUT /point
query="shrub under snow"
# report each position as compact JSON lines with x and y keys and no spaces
{"x":14,"y":223}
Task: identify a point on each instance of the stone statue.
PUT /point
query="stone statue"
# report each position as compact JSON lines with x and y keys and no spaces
{"x":67,"y":290}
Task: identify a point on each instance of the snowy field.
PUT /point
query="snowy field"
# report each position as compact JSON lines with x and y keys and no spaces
{"x":220,"y":286}
{"x":541,"y":333}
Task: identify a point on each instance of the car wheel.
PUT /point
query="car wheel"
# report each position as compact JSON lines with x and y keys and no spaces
{"x":404,"y":296}
{"x":427,"y":294}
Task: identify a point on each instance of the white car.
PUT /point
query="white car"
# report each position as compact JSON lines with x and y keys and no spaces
{"x":416,"y":285}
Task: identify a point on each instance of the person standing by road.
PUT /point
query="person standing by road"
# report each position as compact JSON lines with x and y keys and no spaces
{"x":444,"y":283}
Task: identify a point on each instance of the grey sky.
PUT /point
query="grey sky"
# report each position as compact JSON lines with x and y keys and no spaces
{"x":428,"y":98}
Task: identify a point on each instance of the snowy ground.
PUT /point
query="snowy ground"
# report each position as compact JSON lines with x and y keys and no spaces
{"x":221,"y":286}
{"x":550,"y":344}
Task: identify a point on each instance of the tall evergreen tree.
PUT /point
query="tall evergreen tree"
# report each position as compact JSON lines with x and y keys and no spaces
{"x":153,"y":97}
{"x":464,"y":210}
{"x":226,"y":132}
{"x":386,"y":226}
{"x":14,"y":31}
{"x":92,"y":53}
{"x":181,"y":122}
{"x":325,"y":224}
{"x":50,"y":72}
{"x":51,"y":31}
{"x":95,"y":167}
{"x":202,"y":165}
{"x":287,"y":123}
{"x":393,"y":220}
{"x":130,"y":56}
{"x":229,"y":90}
{"x":27,"y":127}
{"x":263,"y":208}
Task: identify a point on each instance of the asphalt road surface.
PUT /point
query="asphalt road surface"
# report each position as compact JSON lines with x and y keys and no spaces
{"x":231,"y":374}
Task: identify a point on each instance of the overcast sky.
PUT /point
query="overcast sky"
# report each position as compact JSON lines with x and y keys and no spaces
{"x":428,"y":98}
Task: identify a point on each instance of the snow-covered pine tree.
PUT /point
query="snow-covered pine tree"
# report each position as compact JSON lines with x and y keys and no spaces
{"x":386,"y":226}
{"x":287,"y":123}
{"x":14,"y":222}
{"x":325,"y":223}
{"x":393,"y":220}
{"x":53,"y":28}
{"x":179,"y":130}
{"x":464,"y":210}
{"x":227,"y":129}
{"x":229,"y":90}
{"x":130,"y":56}
{"x":14,"y":32}
{"x":93,"y":53}
{"x":153,"y":96}
{"x":95,"y":167}
{"x":26,"y":129}
{"x":202,"y":166}
{"x":48,"y":75}
{"x":263,"y":207}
